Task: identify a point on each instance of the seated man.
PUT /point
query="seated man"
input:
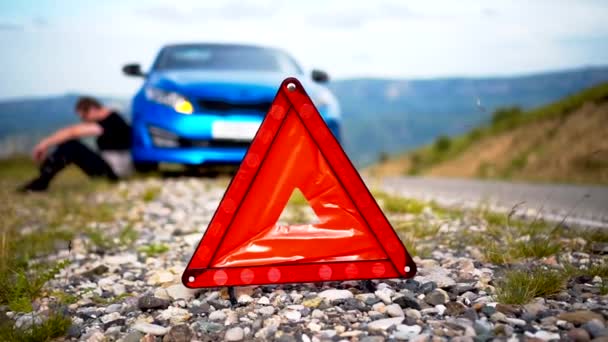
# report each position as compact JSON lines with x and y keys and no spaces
{"x":113,"y":140}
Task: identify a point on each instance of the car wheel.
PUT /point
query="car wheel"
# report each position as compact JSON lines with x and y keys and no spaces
{"x":146,"y":167}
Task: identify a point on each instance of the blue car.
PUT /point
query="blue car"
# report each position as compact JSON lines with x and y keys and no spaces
{"x":201,"y":104}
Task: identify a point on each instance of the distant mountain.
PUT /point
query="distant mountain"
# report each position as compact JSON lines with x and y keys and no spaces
{"x":380,"y":115}
{"x":390,"y":116}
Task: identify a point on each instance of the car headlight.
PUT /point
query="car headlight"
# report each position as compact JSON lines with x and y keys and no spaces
{"x":171,"y":99}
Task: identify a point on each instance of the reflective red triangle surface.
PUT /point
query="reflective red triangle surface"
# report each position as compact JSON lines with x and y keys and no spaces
{"x":294,"y":149}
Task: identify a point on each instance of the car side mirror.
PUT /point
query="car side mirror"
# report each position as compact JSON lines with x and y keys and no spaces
{"x":133,"y":70}
{"x":320,"y":76}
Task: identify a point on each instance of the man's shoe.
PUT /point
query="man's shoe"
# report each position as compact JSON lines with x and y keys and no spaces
{"x":36,"y":185}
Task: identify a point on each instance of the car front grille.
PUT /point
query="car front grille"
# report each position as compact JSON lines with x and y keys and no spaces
{"x":184,"y":142}
{"x":166,"y":139}
{"x":226,"y":106}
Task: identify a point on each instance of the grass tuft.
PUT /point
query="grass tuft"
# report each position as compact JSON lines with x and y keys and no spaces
{"x":153,"y":249}
{"x":521,"y":286}
{"x":150,"y":194}
{"x":52,"y":327}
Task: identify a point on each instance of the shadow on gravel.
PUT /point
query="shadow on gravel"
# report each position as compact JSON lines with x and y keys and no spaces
{"x":207,"y":171}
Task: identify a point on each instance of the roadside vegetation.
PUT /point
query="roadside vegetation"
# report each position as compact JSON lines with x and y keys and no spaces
{"x":32,"y":227}
{"x":530,"y":254}
{"x":513,"y":141}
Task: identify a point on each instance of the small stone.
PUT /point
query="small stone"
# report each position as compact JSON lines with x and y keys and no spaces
{"x":436,"y":297}
{"x":438,"y":275}
{"x":313,"y":302}
{"x":544,"y":335}
{"x":95,"y":336}
{"x":334,"y":294}
{"x":406,"y":332}
{"x":407,"y":302}
{"x":234,"y":334}
{"x":179,"y":291}
{"x":394,"y":310}
{"x":175,"y":315}
{"x":74,"y":331}
{"x":580,"y":317}
{"x":264,"y":301}
{"x":244,"y":299}
{"x":152,"y":329}
{"x":594,"y":327}
{"x":96,"y":271}
{"x":179,"y":333}
{"x":455,"y":308}
{"x":428,"y":287}
{"x":119,"y":289}
{"x":160,"y":277}
{"x":217,"y":316}
{"x":292,"y":315}
{"x":113,"y":308}
{"x":579,"y":335}
{"x":516,"y":321}
{"x":266,"y":311}
{"x":384,"y":324}
{"x":413,"y":313}
{"x":148,"y":302}
{"x":384,"y":295}
{"x":210,"y":327}
{"x":133,"y":336}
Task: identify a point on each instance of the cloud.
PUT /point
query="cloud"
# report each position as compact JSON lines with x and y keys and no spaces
{"x":351,"y":17}
{"x":4,"y":26}
{"x":231,"y":10}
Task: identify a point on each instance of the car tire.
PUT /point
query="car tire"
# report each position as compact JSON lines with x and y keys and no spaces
{"x":145,"y":167}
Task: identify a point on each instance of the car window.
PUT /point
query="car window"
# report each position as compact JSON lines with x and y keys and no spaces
{"x":226,"y":58}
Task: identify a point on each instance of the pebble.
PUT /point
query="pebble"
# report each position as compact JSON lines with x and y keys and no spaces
{"x":179,"y":333}
{"x":544,"y":335}
{"x":436,"y":297}
{"x":179,"y":291}
{"x":384,"y":324}
{"x":580,"y":317}
{"x":407,"y":302}
{"x":217,"y":316}
{"x":579,"y":335}
{"x":148,"y":328}
{"x":292,"y":315}
{"x":234,"y":334}
{"x":407,"y":332}
{"x":394,"y":310}
{"x":334,"y":294}
{"x":150,"y":303}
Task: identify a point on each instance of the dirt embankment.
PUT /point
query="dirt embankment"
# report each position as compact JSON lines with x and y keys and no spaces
{"x":572,"y":148}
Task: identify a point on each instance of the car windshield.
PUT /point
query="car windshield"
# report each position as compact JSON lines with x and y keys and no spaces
{"x":226,"y":57}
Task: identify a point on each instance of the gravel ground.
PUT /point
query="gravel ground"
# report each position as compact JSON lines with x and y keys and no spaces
{"x":133,"y":292}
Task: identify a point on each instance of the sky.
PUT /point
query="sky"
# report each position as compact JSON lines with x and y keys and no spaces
{"x":54,"y":47}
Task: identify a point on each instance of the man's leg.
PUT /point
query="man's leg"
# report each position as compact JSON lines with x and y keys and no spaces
{"x":70,"y":152}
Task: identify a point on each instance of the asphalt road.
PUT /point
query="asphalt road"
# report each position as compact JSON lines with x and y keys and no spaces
{"x":580,"y":204}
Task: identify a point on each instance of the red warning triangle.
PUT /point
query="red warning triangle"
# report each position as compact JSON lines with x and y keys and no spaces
{"x":294,"y":149}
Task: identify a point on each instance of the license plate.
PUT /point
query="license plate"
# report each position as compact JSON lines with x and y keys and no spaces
{"x":234,"y":130}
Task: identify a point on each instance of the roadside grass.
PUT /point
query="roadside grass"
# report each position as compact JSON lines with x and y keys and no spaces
{"x":521,"y":286}
{"x":154,"y":249}
{"x":33,"y":226}
{"x":54,"y":326}
{"x":506,"y":240}
{"x":150,"y":194}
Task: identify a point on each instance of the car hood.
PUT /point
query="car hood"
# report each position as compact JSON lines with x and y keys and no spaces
{"x":230,"y":85}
